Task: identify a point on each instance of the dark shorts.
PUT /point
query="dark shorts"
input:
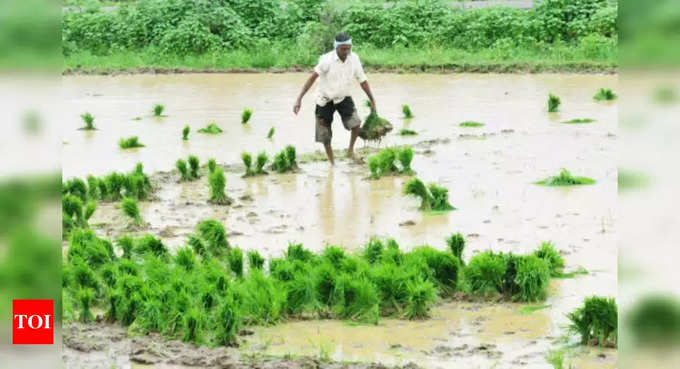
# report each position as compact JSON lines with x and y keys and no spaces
{"x":324,"y":118}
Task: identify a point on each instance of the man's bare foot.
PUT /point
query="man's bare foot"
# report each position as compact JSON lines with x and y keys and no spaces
{"x":352,"y":156}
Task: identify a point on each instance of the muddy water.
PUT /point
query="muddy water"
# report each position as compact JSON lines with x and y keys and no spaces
{"x":488,"y":171}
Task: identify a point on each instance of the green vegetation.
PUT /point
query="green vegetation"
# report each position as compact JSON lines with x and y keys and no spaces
{"x":217,"y":183}
{"x":248,"y":162}
{"x":88,"y":119}
{"x":260,"y":161}
{"x":182,"y":167}
{"x":285,"y":160}
{"x":111,"y":187}
{"x":130,"y":208}
{"x":471,"y":124}
{"x":245,"y":116}
{"x":654,"y":321}
{"x":374,"y":127}
{"x":407,"y":132}
{"x":604,"y":94}
{"x":456,"y":244}
{"x":194,"y":165}
{"x":547,"y":252}
{"x":385,"y":162}
{"x":579,"y":121}
{"x":212,"y":164}
{"x":565,"y":179}
{"x":211,"y":129}
{"x":596,"y":322}
{"x":158,"y":110}
{"x":255,"y":260}
{"x":185,"y":133}
{"x":432,"y":197}
{"x":130,"y":142}
{"x":553,"y":103}
{"x":530,"y":309}
{"x":73,"y":215}
{"x":271,"y":133}
{"x":555,"y":358}
{"x":407,"y":111}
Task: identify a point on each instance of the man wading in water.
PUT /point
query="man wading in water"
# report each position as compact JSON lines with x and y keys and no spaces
{"x":335,"y":71}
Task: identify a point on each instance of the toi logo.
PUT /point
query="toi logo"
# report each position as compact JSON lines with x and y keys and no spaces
{"x":32,"y":322}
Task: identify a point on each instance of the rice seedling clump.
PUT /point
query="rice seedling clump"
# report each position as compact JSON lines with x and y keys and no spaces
{"x":604,"y":94}
{"x":158,"y":110}
{"x":471,"y":124}
{"x":181,"y":166}
{"x":553,"y":103}
{"x":271,"y":133}
{"x":596,"y":322}
{"x":579,"y":121}
{"x":407,"y":132}
{"x":88,"y":119}
{"x":374,"y":127}
{"x":390,"y":162}
{"x":185,"y":133}
{"x":654,"y":321}
{"x":217,"y":183}
{"x":130,"y":208}
{"x":285,"y":160}
{"x":130,"y":143}
{"x":245,"y":116}
{"x":565,"y":178}
{"x":547,"y":252}
{"x":432,"y":198}
{"x":407,"y":111}
{"x":212,"y":129}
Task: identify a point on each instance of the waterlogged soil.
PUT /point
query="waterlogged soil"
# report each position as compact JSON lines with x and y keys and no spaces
{"x":488,"y":170}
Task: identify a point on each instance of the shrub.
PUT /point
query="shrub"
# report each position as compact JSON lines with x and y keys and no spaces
{"x":596,"y":322}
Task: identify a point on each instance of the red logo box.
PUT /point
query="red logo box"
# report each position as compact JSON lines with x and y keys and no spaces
{"x":32,"y":322}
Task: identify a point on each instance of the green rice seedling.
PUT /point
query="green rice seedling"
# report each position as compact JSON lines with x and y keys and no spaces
{"x":109,"y":274}
{"x":227,"y":322}
{"x":90,"y":208}
{"x":185,"y":258}
{"x":76,"y":187}
{"x":280,"y":164}
{"x":533,"y":276}
{"x":197,"y":245}
{"x":126,"y":243}
{"x":208,"y":296}
{"x":373,"y":250}
{"x":103,"y":190}
{"x":471,"y":124}
{"x":443,"y":267}
{"x":217,"y":182}
{"x":407,"y":132}
{"x":405,"y":157}
{"x":302,"y":294}
{"x":248,"y":162}
{"x":654,"y":321}
{"x":548,"y":253}
{"x":127,"y":267}
{"x":130,"y":142}
{"x":604,"y":94}
{"x":392,"y":254}
{"x":530,"y":309}
{"x":484,"y":273}
{"x":148,"y":244}
{"x":596,"y":322}
{"x":211,"y":129}
{"x":137,"y":186}
{"x":182,"y":168}
{"x":456,"y":244}
{"x":271,"y":133}
{"x":565,"y":179}
{"x":215,"y":236}
{"x":387,"y":158}
{"x":440,"y":198}
{"x":291,"y":156}
{"x":262,"y":300}
{"x":151,"y":315}
{"x":296,"y":251}
{"x":553,"y":103}
{"x":192,"y":326}
{"x":129,"y":309}
{"x":579,"y":121}
{"x":255,"y":260}
{"x":245,"y":116}
{"x":72,"y":206}
{"x":83,"y":276}
{"x":260,"y":162}
{"x":282,"y":269}
{"x":93,"y":187}
{"x":193,"y":165}
{"x":390,"y":281}
{"x":130,"y":208}
{"x":421,"y":296}
{"x":334,"y":255}
{"x":555,"y":358}
{"x":374,"y":166}
{"x":185,"y":133}
{"x":88,"y":119}
{"x":374,"y":127}
{"x":407,"y":111}
{"x":356,"y":298}
{"x":158,"y":110}
{"x":85,"y":297}
{"x":212,"y":164}
{"x":416,"y":187}
{"x":114,"y":185}
{"x":113,"y":301}
{"x":235,"y":259}
{"x":324,"y":278}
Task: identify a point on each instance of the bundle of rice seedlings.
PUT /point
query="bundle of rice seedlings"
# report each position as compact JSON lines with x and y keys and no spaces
{"x":565,"y":179}
{"x":255,"y":260}
{"x":443,"y":267}
{"x":604,"y":94}
{"x":228,"y":322}
{"x":271,"y":133}
{"x":248,"y":162}
{"x":302,"y":294}
{"x":260,"y":162}
{"x":245,"y":116}
{"x":374,"y":127}
{"x":130,"y":208}
{"x":89,"y":121}
{"x":405,"y":157}
{"x":262,"y":300}
{"x":373,"y":250}
{"x":76,"y":187}
{"x":217,"y":183}
{"x":421,"y":296}
{"x":334,"y":255}
{"x":193,"y":325}
{"x":130,"y":142}
{"x":356,"y":299}
{"x":553,"y":103}
{"x":215,"y":236}
{"x":415,"y":187}
{"x":93,"y":187}
{"x":114,"y":185}
{"x":407,"y":132}
{"x":296,"y":251}
{"x":126,"y":244}
{"x":158,"y":110}
{"x":596,"y":322}
{"x":185,"y":258}
{"x":291,"y":156}
{"x":484,"y":273}
{"x":185,"y":133}
{"x":532,"y":278}
{"x":548,"y":253}
{"x":655,"y":322}
{"x":85,"y":297}
{"x":193,"y":164}
{"x":579,"y":121}
{"x":235,"y":259}
{"x":148,"y":244}
{"x":212,"y":164}
{"x":182,"y":168}
{"x":211,"y":129}
{"x":440,"y":198}
{"x":197,"y":245}
{"x":374,"y":166}
{"x":456,"y":244}
{"x":407,"y":111}
{"x":471,"y":124}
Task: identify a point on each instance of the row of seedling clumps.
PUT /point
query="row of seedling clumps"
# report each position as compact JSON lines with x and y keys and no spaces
{"x":207,"y":289}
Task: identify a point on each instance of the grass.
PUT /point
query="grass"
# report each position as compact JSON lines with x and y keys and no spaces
{"x":555,"y":358}
{"x":604,"y":94}
{"x":532,"y":278}
{"x":547,"y":252}
{"x":158,"y":110}
{"x":193,"y":165}
{"x":130,"y":209}
{"x":374,"y":127}
{"x":565,"y":178}
{"x":407,"y":132}
{"x":530,"y":309}
{"x":596,"y":322}
{"x":88,"y":119}
{"x":181,"y":166}
{"x":271,"y":133}
{"x":456,"y":244}
{"x":217,"y":183}
{"x":130,"y":143}
{"x":553,"y":103}
{"x":405,"y":157}
{"x":248,"y":162}
{"x":260,"y":161}
{"x":578,"y":121}
{"x":245,"y":116}
{"x":255,"y":260}
{"x":211,"y":129}
{"x":185,"y":133}
{"x":391,"y":161}
{"x":212,"y":164}
{"x":285,"y":160}
{"x":471,"y":124}
{"x":407,"y":111}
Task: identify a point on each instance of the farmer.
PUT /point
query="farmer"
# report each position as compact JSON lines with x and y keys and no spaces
{"x":335,"y":71}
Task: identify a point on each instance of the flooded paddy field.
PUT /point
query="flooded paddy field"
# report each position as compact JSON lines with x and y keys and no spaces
{"x":488,"y":170}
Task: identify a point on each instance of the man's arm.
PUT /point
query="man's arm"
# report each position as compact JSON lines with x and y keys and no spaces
{"x":367,"y":90}
{"x":305,"y":88}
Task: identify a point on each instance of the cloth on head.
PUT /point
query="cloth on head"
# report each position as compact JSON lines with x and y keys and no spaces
{"x":338,"y":43}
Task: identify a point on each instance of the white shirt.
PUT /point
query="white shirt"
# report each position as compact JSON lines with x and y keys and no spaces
{"x":335,"y":76}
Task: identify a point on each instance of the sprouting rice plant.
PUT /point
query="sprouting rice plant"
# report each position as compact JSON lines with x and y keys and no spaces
{"x":182,"y":168}
{"x":248,"y":162}
{"x":245,"y":116}
{"x":158,"y":110}
{"x":193,"y":165}
{"x":212,"y":164}
{"x":130,"y":142}
{"x":217,"y":183}
{"x":212,"y":129}
{"x":130,"y":208}
{"x":260,"y":162}
{"x":271,"y":133}
{"x":553,"y":103}
{"x":89,"y":121}
{"x":604,"y":94}
{"x":405,"y":157}
{"x":185,"y":133}
{"x":407,"y":111}
{"x":565,"y":179}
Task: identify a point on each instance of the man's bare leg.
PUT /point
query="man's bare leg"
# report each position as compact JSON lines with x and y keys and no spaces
{"x":352,"y":140}
{"x":329,"y":152}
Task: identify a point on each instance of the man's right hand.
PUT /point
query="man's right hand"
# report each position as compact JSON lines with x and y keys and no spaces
{"x":296,"y":107}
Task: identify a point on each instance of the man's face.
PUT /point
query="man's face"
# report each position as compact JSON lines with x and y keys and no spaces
{"x":343,"y":51}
